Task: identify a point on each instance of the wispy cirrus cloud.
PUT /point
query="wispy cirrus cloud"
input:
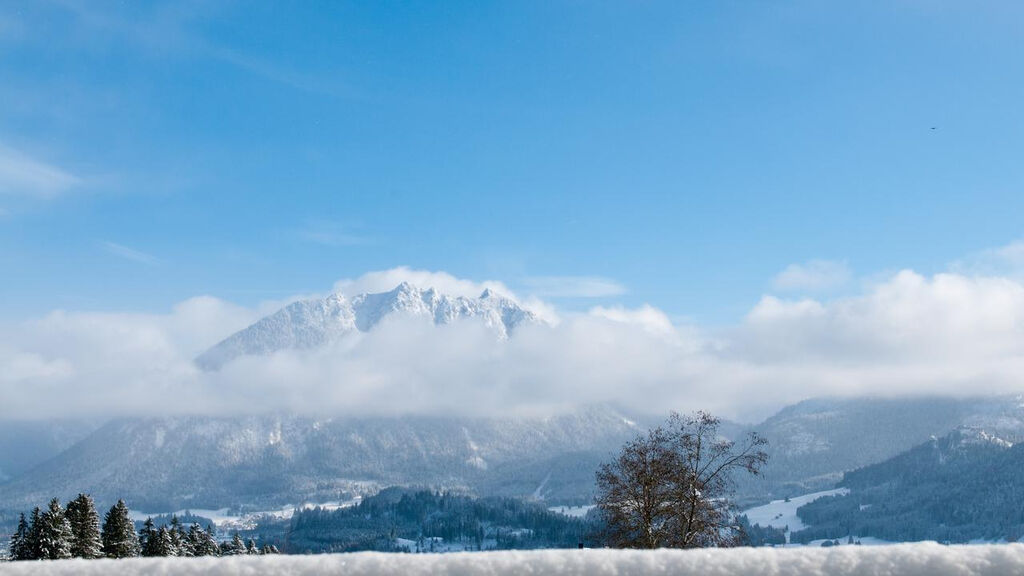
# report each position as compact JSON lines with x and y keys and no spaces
{"x":24,"y":175}
{"x":175,"y":29}
{"x":122,"y":251}
{"x":572,"y":286}
{"x":330,"y":234}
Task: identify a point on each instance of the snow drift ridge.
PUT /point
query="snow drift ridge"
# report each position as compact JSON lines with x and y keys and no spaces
{"x":920,"y":559}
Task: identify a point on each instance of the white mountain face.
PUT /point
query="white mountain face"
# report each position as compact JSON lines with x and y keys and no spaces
{"x":312,"y":323}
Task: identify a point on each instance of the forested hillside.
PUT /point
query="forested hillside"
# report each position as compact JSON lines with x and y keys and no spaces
{"x":964,"y":486}
{"x":423,"y":521}
{"x":812,"y":443}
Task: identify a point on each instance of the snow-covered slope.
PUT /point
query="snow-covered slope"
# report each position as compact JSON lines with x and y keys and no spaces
{"x":207,"y":462}
{"x":312,"y":323}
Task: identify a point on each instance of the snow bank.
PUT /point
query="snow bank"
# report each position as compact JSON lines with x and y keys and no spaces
{"x":923,"y":559}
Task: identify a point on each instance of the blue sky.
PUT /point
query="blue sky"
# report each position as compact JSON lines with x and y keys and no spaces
{"x":686,"y":151}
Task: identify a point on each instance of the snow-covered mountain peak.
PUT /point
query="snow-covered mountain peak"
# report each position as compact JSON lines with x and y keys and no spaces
{"x":315,"y":322}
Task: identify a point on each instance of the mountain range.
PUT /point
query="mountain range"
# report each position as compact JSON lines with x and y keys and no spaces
{"x":256,"y":462}
{"x":260,"y":461}
{"x":315,"y":322}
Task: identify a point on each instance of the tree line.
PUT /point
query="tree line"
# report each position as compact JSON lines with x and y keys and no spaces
{"x":420,"y":520}
{"x":58,"y":533}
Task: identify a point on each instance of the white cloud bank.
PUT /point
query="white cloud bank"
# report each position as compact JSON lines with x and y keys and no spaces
{"x":950,"y":333}
{"x":921,"y":559}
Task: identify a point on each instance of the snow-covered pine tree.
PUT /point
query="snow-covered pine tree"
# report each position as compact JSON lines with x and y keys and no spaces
{"x":85,"y":528}
{"x":55,"y":533}
{"x":147,"y":538}
{"x":235,"y":547}
{"x":195,"y":540}
{"x":119,"y":538}
{"x":35,"y":526}
{"x":250,"y":548}
{"x":185,"y":547}
{"x":210,"y":546}
{"x":177,"y":534}
{"x":164,"y":544}
{"x":19,"y":541}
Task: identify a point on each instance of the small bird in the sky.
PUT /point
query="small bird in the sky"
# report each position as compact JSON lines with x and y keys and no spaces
{"x":933,"y":127}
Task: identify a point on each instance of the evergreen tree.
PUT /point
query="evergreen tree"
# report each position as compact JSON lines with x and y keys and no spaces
{"x":210,"y":546}
{"x":185,"y":545}
{"x":85,"y":528}
{"x":35,"y":526}
{"x":177,"y":534}
{"x":119,"y":539}
{"x":195,"y":541}
{"x":164,"y":544}
{"x":250,"y":547}
{"x":20,"y":541}
{"x":55,"y":533}
{"x":148,"y":540}
{"x":235,"y":547}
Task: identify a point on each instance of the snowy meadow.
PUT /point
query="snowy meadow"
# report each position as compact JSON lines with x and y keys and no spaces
{"x":920,"y":559}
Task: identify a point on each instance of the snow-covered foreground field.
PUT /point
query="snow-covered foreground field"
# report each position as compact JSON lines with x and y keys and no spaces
{"x":921,"y":559}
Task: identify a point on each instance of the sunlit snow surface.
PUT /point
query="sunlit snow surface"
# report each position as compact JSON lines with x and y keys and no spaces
{"x":921,"y":559}
{"x":782,"y":513}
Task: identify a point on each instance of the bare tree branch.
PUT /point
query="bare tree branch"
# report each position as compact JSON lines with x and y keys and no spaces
{"x":672,"y":487}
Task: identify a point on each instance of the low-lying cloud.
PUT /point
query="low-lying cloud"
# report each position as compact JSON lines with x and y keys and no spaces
{"x":951,"y":333}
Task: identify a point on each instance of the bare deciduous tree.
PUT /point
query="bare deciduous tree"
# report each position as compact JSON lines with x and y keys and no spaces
{"x":672,"y":487}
